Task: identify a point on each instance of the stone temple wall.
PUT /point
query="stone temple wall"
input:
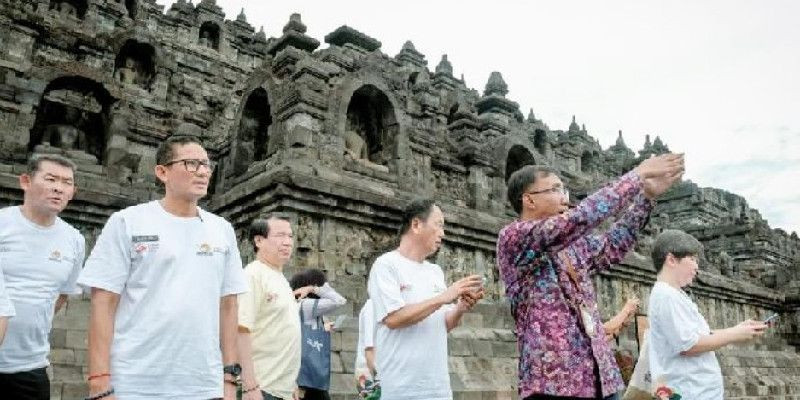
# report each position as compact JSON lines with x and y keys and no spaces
{"x":340,"y":138}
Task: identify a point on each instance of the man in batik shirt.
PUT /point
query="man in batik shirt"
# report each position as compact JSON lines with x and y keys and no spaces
{"x":547,"y":258}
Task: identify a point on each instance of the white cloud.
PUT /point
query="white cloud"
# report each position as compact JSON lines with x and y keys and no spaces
{"x":715,"y":79}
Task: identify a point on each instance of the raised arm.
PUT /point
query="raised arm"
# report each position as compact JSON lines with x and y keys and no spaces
{"x":612,"y":246}
{"x":329,"y":301}
{"x":560,"y":231}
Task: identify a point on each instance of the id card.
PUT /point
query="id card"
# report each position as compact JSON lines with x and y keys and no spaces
{"x":588,"y":321}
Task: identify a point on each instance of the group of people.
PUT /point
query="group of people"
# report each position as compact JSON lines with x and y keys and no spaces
{"x":174,"y":315}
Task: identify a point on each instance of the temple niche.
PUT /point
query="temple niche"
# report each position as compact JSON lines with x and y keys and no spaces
{"x":70,"y":8}
{"x":252,"y":139}
{"x":209,"y":35}
{"x":130,"y":6}
{"x":589,"y":161}
{"x":71,"y":120}
{"x":135,"y":64}
{"x":370,"y":128}
{"x":518,"y":157}
{"x":540,"y":142}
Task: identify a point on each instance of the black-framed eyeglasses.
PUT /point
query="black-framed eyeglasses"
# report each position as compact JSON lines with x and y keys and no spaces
{"x":556,"y":189}
{"x":193,"y":164}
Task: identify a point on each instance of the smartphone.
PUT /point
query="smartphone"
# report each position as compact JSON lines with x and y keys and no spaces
{"x":771,"y":318}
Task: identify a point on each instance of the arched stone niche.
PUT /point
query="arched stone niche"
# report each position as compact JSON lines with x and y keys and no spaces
{"x":590,"y":161}
{"x":209,"y":35}
{"x":252,"y":138}
{"x":518,"y":157}
{"x":371,"y":126}
{"x":540,"y":141}
{"x":72,"y":120}
{"x":135,"y":64}
{"x":70,"y":8}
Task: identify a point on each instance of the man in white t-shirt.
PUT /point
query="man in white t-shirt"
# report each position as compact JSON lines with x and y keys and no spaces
{"x":41,"y":257}
{"x":412,"y":305}
{"x":269,"y":317}
{"x":365,"y":350}
{"x":6,"y":307}
{"x":165,"y":276}
{"x":681,"y":343}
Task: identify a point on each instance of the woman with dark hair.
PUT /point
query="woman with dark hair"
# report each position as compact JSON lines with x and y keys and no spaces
{"x":317,"y":299}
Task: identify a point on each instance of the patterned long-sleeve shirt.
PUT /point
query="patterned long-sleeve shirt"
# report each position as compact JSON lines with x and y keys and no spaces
{"x":556,"y":357}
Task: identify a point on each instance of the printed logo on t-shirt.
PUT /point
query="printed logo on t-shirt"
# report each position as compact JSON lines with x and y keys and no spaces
{"x":205,"y":250}
{"x":405,"y":287}
{"x":144,"y":238}
{"x":269,"y":297}
{"x":55,"y":256}
{"x":209,"y":250}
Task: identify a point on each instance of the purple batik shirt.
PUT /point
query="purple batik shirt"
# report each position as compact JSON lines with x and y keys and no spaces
{"x":556,"y":357}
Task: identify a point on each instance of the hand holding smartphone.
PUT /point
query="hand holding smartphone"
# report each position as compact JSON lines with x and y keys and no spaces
{"x":771,"y":319}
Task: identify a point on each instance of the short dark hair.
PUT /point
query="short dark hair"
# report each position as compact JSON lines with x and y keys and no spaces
{"x":260,"y":226}
{"x":418,"y":209}
{"x":36,"y":160}
{"x":166,"y":150}
{"x":523,"y":178}
{"x":676,"y":242}
{"x":310,"y":277}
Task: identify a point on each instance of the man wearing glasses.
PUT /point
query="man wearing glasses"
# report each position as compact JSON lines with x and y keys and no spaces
{"x":165,"y":276}
{"x":547,"y":258}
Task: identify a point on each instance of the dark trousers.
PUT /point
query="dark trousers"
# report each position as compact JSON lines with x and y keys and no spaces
{"x":27,"y":385}
{"x":315,"y":394}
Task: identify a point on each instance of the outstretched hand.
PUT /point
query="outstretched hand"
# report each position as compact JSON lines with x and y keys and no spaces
{"x":663,"y":165}
{"x":461,"y":287}
{"x":660,"y":173}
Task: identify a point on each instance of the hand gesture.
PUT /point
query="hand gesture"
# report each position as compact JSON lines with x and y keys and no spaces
{"x":747,"y":330}
{"x":468,"y":300}
{"x":303,"y":292}
{"x":664,"y":165}
{"x":461,"y":287}
{"x":654,"y":187}
{"x":631,"y":306}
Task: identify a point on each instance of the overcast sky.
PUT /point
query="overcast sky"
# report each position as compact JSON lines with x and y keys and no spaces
{"x":717,"y":80}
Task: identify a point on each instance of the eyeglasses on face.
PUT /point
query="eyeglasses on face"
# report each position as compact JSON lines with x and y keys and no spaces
{"x":555,"y":189}
{"x":193,"y":164}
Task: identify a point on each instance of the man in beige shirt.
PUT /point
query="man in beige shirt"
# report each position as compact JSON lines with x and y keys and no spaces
{"x":269,"y":321}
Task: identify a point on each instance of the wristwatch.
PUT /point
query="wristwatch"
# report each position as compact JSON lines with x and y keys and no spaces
{"x":234,"y":369}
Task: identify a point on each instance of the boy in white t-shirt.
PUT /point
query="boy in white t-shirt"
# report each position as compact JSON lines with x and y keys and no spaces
{"x":164,"y":277}
{"x":41,"y":257}
{"x":414,"y":311}
{"x":681,"y":343}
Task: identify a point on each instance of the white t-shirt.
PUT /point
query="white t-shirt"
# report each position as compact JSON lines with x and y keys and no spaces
{"x":675,"y":326}
{"x":271,"y":314}
{"x":413,"y":360}
{"x":38,"y":264}
{"x":171,"y":273}
{"x":366,"y":334}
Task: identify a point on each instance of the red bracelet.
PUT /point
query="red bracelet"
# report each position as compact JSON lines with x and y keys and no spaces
{"x":95,"y":376}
